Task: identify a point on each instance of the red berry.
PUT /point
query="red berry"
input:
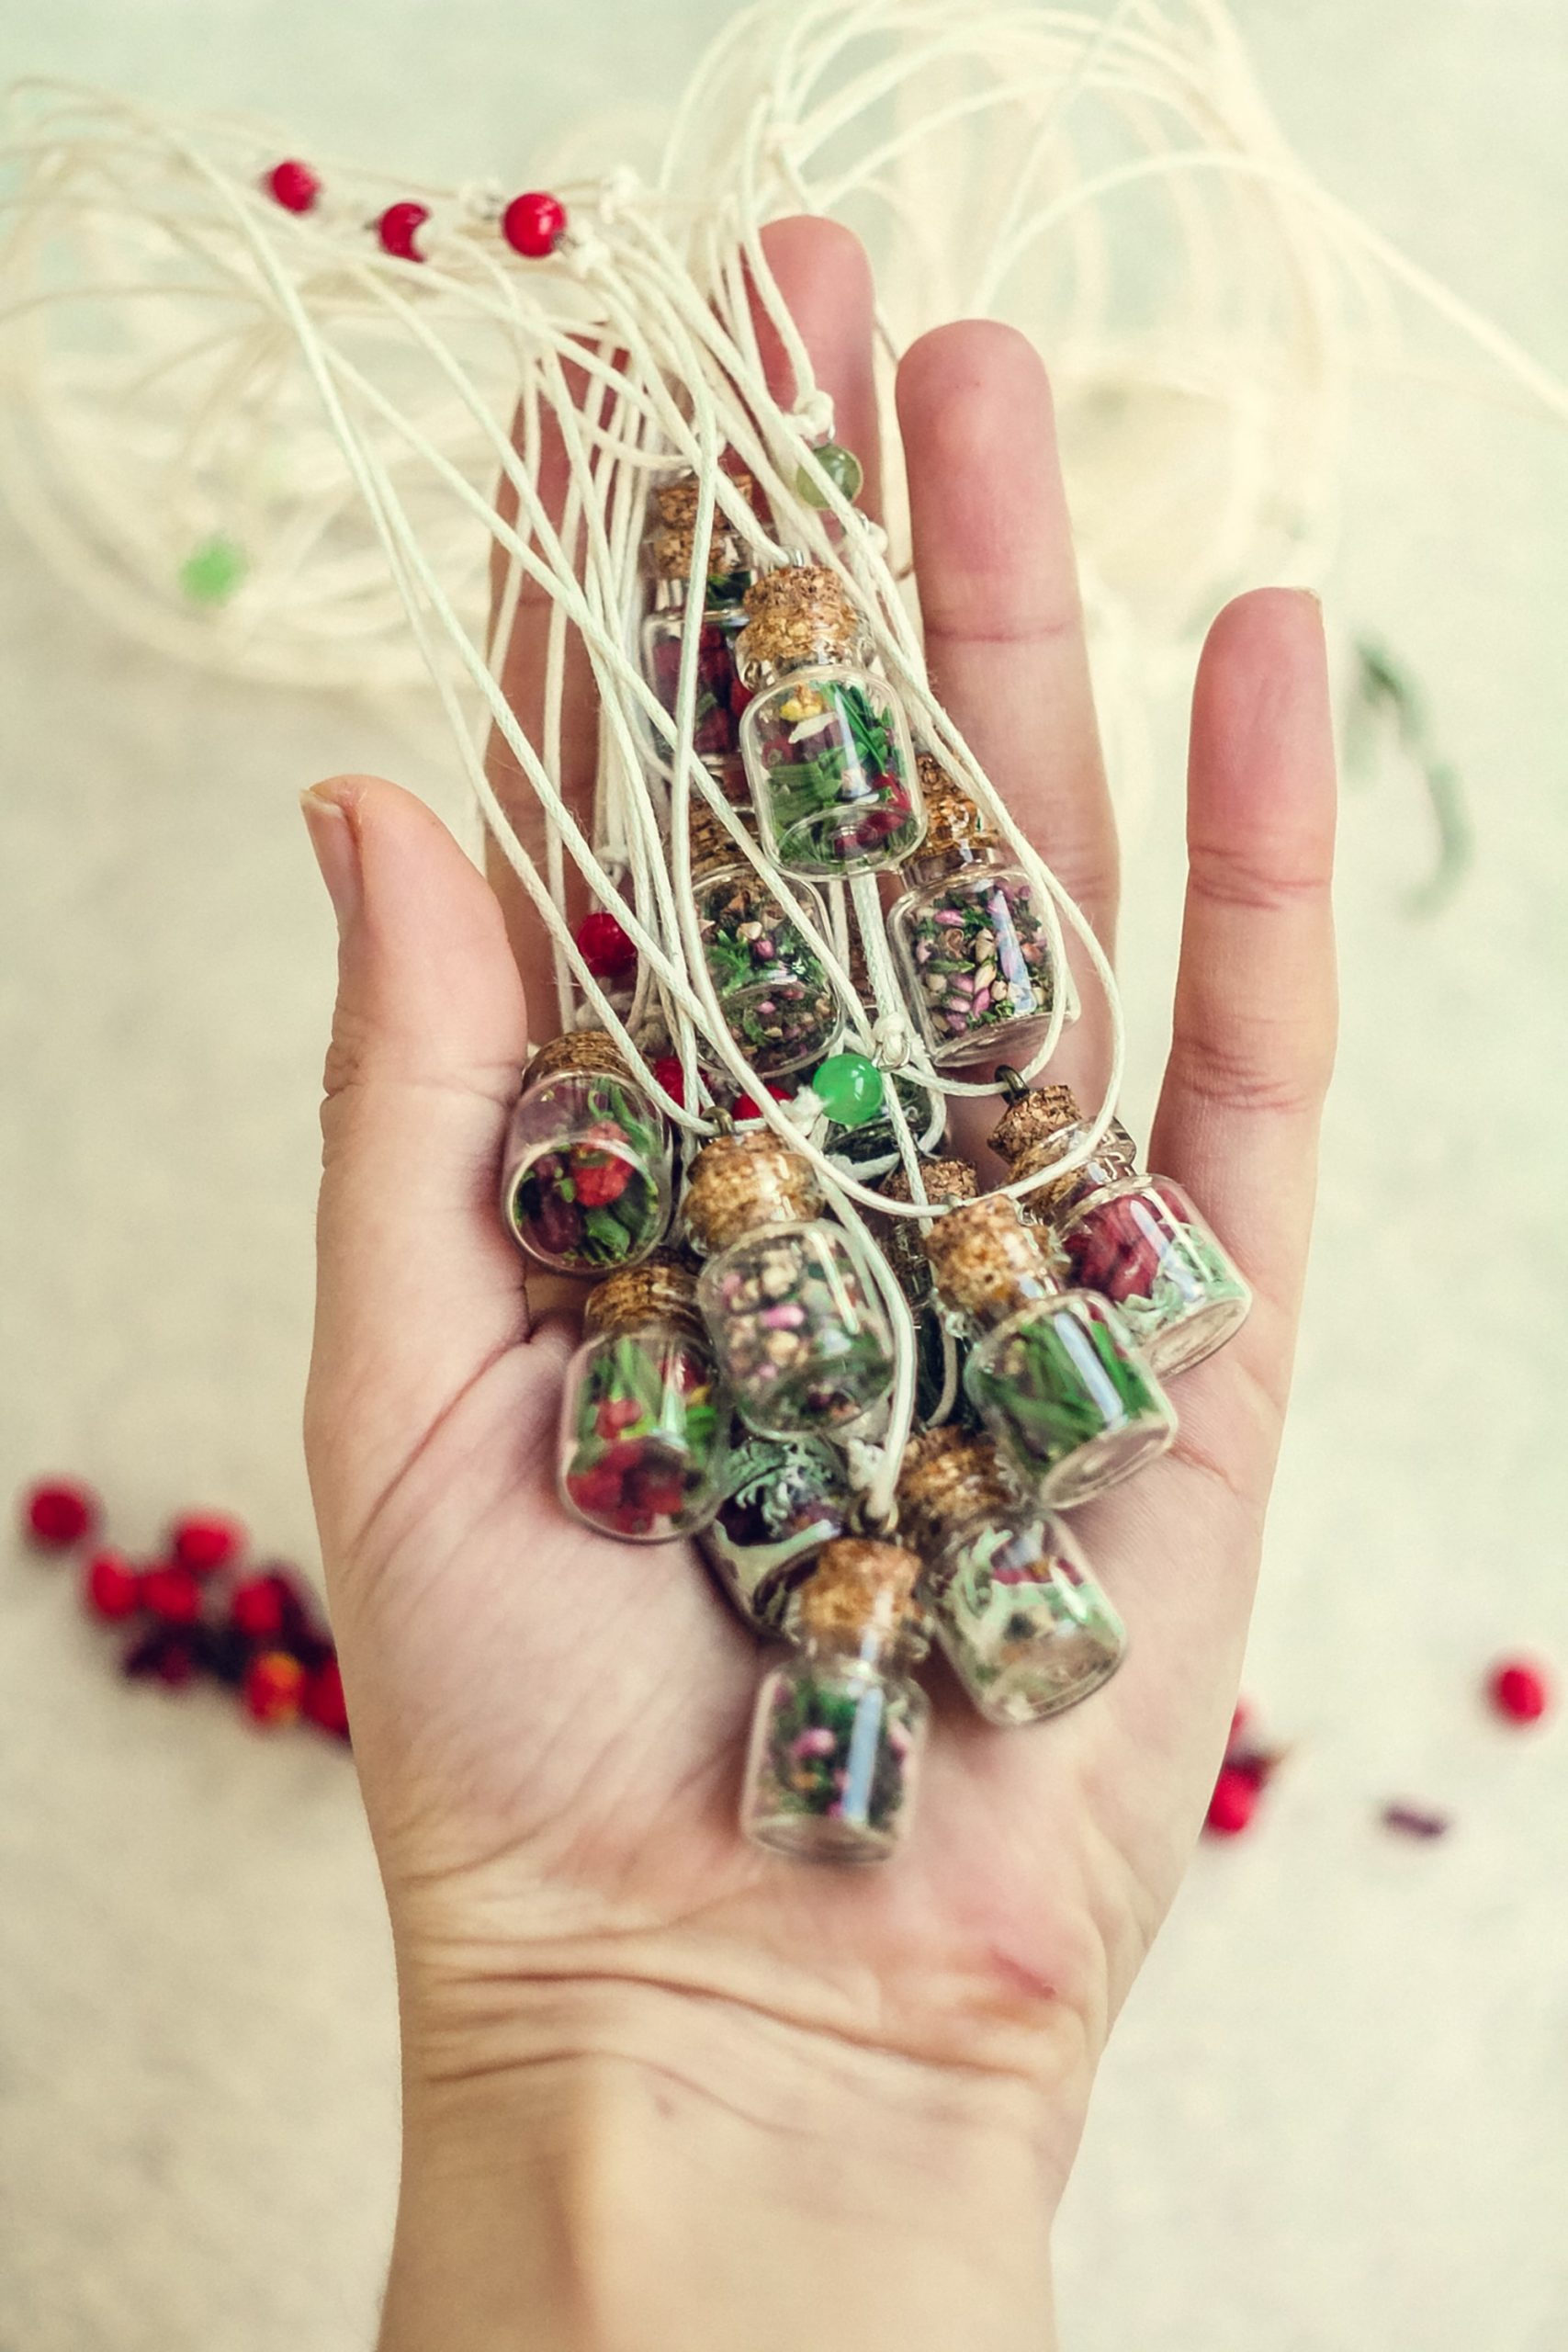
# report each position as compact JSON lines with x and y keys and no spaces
{"x":293,"y":185}
{"x":399,"y":226}
{"x":1233,"y":1804}
{"x":274,"y":1688}
{"x":171,"y":1593}
{"x":532,"y":224}
{"x":599,"y":1182}
{"x":58,"y":1512}
{"x":206,"y":1539}
{"x":257,"y":1608}
{"x":605,"y":947}
{"x":1519,"y":1692}
{"x":111,"y":1587}
{"x":745,"y":1106}
{"x":323,"y":1701}
{"x":667,"y":1070}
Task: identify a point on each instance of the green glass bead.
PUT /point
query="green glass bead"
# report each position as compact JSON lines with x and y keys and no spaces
{"x":843,"y":468}
{"x":211,"y":572}
{"x":849,"y":1088}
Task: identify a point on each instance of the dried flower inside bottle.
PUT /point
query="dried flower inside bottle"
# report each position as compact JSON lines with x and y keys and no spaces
{"x":720,"y":697}
{"x":825,"y":742}
{"x":585,"y":1173}
{"x":836,"y":1737}
{"x":643,"y":1431}
{"x":1135,"y":1239}
{"x":784,"y":1498}
{"x":777,"y":1001}
{"x":974,"y":944}
{"x":1026,"y":1627}
{"x":801,"y":1338}
{"x":1056,"y":1376}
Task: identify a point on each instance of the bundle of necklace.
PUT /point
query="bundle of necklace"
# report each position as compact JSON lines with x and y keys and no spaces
{"x":302,"y":412}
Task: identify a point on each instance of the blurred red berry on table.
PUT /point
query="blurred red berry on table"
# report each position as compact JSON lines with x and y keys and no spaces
{"x":58,"y":1513}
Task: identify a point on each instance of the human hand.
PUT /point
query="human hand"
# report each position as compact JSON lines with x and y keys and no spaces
{"x":799,"y":2068}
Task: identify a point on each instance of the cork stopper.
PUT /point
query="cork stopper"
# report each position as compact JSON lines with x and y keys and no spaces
{"x":712,"y":845}
{"x":1033,"y":1120}
{"x":948,"y":1475}
{"x":944,"y":1180}
{"x":743,"y":1185}
{"x":671,"y":540}
{"x":578,"y":1050}
{"x":661,"y":1290}
{"x":954,"y":823}
{"x":987,"y":1261}
{"x":800,"y":613}
{"x":860,"y":1586}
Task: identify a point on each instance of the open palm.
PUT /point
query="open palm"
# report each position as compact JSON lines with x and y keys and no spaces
{"x":550,"y":1726}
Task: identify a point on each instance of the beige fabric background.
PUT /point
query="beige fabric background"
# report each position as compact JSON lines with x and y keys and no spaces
{"x":1336,"y":2116}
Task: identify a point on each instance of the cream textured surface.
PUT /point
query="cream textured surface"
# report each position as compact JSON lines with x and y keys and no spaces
{"x":1336,"y":2116}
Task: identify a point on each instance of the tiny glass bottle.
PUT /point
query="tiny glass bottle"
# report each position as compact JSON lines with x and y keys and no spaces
{"x":784,"y":1499}
{"x":643,"y":1431}
{"x":1136,"y":1239}
{"x":585,"y":1173}
{"x":1054,"y":1374}
{"x":969,"y":934}
{"x":826,"y":742}
{"x":836,"y":1737}
{"x":901,"y":1238}
{"x":720,"y":697}
{"x":778,"y":1002}
{"x":1024,"y":1624}
{"x":801,"y":1337}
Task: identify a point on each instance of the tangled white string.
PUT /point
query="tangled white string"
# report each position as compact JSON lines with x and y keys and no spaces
{"x":265,"y":444}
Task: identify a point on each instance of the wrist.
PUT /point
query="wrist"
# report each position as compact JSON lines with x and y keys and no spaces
{"x":614,"y":2164}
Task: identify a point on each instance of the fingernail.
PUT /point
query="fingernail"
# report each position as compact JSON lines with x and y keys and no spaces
{"x":337,"y":851}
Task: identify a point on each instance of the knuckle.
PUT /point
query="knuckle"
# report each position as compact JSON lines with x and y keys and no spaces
{"x":1254,"y":880}
{"x":1274,"y":1068}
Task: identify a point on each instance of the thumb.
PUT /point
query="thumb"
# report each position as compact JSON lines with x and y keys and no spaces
{"x":418,"y":1288}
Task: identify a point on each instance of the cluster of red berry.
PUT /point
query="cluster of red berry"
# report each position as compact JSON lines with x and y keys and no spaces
{"x":196,"y":1610}
{"x":1516,"y":1691}
{"x":532,"y":224}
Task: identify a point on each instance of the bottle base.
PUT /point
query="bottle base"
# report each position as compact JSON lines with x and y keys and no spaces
{"x":1033,"y":1693}
{"x":818,"y":1837}
{"x":1195,"y":1338}
{"x":1103,"y":1462}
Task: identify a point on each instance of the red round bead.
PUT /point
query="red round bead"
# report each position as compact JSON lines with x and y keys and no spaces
{"x":171,"y":1593}
{"x":58,"y":1512}
{"x":667,"y":1070}
{"x":323,"y":1701}
{"x":273,"y":1687}
{"x":1233,"y":1804}
{"x":605,"y":947}
{"x":111,"y":1587}
{"x":293,"y":185}
{"x":532,"y":224}
{"x":1519,"y":1692}
{"x":206,"y":1539}
{"x":399,"y":226}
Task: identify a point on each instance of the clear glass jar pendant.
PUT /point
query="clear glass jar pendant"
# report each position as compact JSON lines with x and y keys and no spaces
{"x":586,"y":1171}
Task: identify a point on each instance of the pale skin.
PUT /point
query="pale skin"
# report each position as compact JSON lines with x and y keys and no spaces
{"x":663,"y":2092}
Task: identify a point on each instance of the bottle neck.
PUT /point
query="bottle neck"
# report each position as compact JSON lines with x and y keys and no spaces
{"x":928,"y":865}
{"x":871,"y":1649}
